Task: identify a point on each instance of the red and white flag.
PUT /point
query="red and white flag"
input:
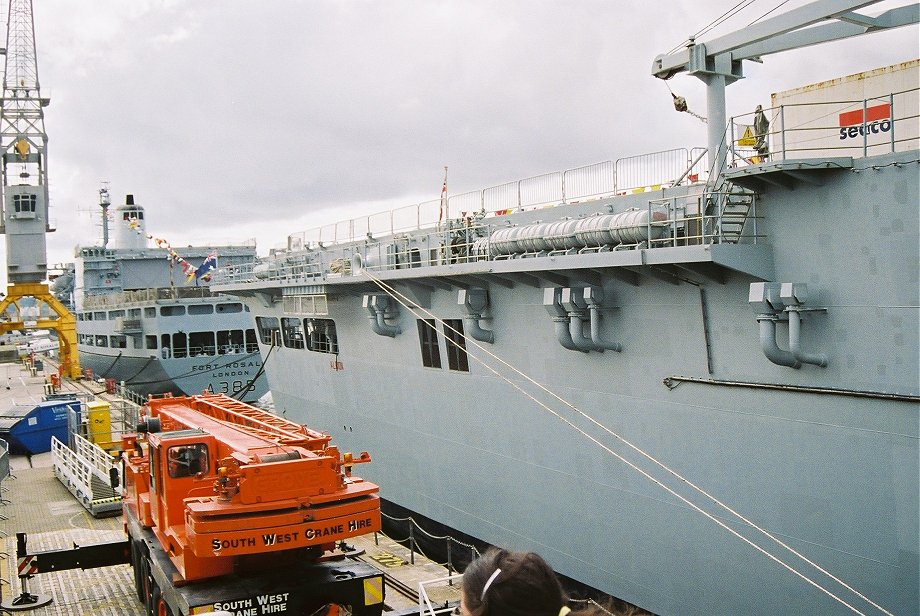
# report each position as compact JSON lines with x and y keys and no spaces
{"x":443,"y":207}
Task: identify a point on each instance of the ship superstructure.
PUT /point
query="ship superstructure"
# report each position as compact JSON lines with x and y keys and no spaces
{"x":689,"y":384}
{"x":141,"y":321}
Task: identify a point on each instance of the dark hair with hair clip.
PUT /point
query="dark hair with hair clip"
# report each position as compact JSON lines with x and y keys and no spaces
{"x":525,"y":586}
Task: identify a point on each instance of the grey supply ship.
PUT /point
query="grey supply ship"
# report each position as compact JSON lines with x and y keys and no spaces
{"x":746,"y":318}
{"x":140,"y":321}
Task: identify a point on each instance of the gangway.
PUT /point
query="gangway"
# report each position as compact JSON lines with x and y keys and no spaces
{"x":87,"y":471}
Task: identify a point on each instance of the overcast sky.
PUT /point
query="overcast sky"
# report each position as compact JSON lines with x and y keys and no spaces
{"x":229,"y":120}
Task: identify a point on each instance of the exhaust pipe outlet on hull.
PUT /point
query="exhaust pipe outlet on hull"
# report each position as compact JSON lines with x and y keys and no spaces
{"x":772,"y":302}
{"x":594,"y":297}
{"x":552,"y":301}
{"x":475,"y":301}
{"x":381,"y":308}
{"x":794,"y":295}
{"x":578,"y":303}
{"x":769,"y":346}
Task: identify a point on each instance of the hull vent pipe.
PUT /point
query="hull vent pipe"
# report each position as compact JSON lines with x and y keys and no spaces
{"x":552,"y":302}
{"x":563,"y":335}
{"x":576,"y":331}
{"x":795,"y":342}
{"x":769,"y":346}
{"x":600,"y":343}
{"x":376,"y":306}
{"x":476,"y":331}
{"x":475,"y":301}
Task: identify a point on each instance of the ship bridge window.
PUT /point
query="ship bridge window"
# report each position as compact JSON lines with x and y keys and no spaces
{"x":172,"y":311}
{"x":230,"y":341}
{"x":321,"y":335}
{"x":150,"y":313}
{"x":99,"y":316}
{"x":269,"y":332}
{"x":118,"y":342}
{"x":88,"y":340}
{"x":252,"y":344}
{"x":114,"y":314}
{"x":134,"y":313}
{"x":151,"y":341}
{"x":292,"y":333}
{"x":456,"y":345}
{"x":23,"y":204}
{"x":428,"y":339}
{"x":201,"y":309}
{"x":187,"y":460}
{"x":102,"y":341}
{"x":201,"y":344}
{"x":228,"y":308}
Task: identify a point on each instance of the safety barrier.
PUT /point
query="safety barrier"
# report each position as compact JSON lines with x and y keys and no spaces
{"x":85,"y":472}
{"x":595,"y":181}
{"x":855,"y":128}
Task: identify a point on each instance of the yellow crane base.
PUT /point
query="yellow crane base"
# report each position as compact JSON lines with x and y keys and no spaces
{"x":65,"y":324}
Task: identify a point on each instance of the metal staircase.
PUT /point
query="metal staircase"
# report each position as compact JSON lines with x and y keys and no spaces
{"x":735,"y":207}
{"x":84,"y":471}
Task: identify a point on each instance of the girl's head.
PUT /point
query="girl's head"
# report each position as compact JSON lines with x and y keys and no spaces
{"x":503,"y":583}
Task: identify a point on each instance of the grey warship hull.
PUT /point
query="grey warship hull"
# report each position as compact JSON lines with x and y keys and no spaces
{"x":808,"y":429}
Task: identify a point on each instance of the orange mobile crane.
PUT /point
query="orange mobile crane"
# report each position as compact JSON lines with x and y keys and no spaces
{"x":215,"y":488}
{"x":227,"y":506}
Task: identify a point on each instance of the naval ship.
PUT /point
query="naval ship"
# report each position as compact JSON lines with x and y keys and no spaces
{"x":143,"y":323}
{"x":689,"y":379}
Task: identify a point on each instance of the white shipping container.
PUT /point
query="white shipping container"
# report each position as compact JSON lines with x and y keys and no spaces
{"x":865,"y":114}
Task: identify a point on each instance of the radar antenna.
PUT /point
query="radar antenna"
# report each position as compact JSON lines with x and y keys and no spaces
{"x":24,"y":203}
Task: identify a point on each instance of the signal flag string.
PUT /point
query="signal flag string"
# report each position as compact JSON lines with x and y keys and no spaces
{"x":404,"y":301}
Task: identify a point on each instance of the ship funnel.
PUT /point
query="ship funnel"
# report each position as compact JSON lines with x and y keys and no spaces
{"x":130,"y":228}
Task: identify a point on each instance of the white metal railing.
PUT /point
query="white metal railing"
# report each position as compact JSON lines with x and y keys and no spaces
{"x":144,"y":296}
{"x":857,"y":128}
{"x":78,"y":469}
{"x":701,"y":219}
{"x":647,"y":171}
{"x":425,"y":603}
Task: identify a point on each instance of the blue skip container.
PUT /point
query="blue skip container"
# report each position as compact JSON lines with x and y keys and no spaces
{"x":28,"y":429}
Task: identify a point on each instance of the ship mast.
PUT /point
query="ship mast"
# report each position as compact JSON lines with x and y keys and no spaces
{"x":24,"y":182}
{"x":718,"y":62}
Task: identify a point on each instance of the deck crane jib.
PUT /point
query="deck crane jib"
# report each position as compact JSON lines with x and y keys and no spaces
{"x":719,"y":62}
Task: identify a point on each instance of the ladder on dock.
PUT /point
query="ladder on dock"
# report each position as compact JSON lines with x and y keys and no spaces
{"x":84,"y":470}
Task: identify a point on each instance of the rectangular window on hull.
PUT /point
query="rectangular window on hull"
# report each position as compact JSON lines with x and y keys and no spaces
{"x":201,"y":309}
{"x":151,"y":342}
{"x":292,"y":333}
{"x":321,"y":335}
{"x":456,"y":345}
{"x":201,"y":344}
{"x":269,"y":332}
{"x":118,"y":342}
{"x":229,"y":341}
{"x":428,"y":339}
{"x":180,"y":345}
